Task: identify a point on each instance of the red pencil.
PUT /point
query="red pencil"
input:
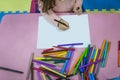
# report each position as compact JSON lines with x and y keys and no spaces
{"x":47,"y":50}
{"x":118,"y":53}
{"x":64,"y":48}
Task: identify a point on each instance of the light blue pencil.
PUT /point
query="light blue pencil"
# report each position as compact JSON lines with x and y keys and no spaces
{"x":66,"y":62}
{"x":92,"y":76}
{"x":105,"y":54}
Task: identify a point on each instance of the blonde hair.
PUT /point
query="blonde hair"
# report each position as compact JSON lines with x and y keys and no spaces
{"x":47,"y":5}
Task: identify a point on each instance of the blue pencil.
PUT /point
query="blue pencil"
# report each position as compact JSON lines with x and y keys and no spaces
{"x":89,"y":56}
{"x":66,"y":62}
{"x":39,"y":75}
{"x":92,"y":76}
{"x":81,"y":69}
{"x":93,"y":55}
{"x":69,"y":62}
{"x":84,"y":62}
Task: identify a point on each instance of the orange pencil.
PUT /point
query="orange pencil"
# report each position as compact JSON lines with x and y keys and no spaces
{"x":89,"y":68}
{"x":102,"y":49}
{"x":75,"y":63}
{"x":118,"y":53}
{"x":109,"y":45}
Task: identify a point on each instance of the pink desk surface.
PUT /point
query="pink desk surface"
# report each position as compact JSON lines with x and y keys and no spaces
{"x":18,"y":39}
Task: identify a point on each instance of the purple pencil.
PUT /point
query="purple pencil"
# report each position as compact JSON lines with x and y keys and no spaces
{"x":55,"y":68}
{"x":90,"y":64}
{"x":89,"y":56}
{"x":40,"y":62}
{"x":72,"y":44}
{"x":38,"y":75}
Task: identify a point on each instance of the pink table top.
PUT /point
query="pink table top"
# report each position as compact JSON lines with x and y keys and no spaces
{"x":18,"y":39}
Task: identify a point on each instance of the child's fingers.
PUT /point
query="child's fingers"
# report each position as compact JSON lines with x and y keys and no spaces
{"x":64,"y":25}
{"x":77,"y":10}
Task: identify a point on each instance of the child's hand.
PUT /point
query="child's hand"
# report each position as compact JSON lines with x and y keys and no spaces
{"x":63,"y":25}
{"x":77,"y":10}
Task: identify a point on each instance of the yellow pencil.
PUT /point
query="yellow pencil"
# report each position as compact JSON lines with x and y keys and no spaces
{"x":102,"y":49}
{"x":43,"y":76}
{"x":62,"y":54}
{"x":54,"y":53}
{"x":40,"y":58}
{"x":92,"y":67}
{"x":53,"y":71}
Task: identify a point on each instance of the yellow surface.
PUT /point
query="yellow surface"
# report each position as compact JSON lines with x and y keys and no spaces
{"x":15,"y":5}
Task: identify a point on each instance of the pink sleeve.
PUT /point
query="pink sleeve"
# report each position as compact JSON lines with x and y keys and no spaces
{"x":51,"y":16}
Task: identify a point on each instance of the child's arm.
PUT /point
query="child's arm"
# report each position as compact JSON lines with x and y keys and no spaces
{"x":78,"y":7}
{"x":52,"y":17}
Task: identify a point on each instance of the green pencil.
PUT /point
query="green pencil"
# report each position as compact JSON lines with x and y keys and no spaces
{"x":81,"y":57}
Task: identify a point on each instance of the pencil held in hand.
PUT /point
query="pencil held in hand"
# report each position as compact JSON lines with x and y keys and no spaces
{"x":62,"y":24}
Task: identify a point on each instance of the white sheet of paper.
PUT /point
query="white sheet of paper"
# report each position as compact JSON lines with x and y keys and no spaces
{"x":49,"y":35}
